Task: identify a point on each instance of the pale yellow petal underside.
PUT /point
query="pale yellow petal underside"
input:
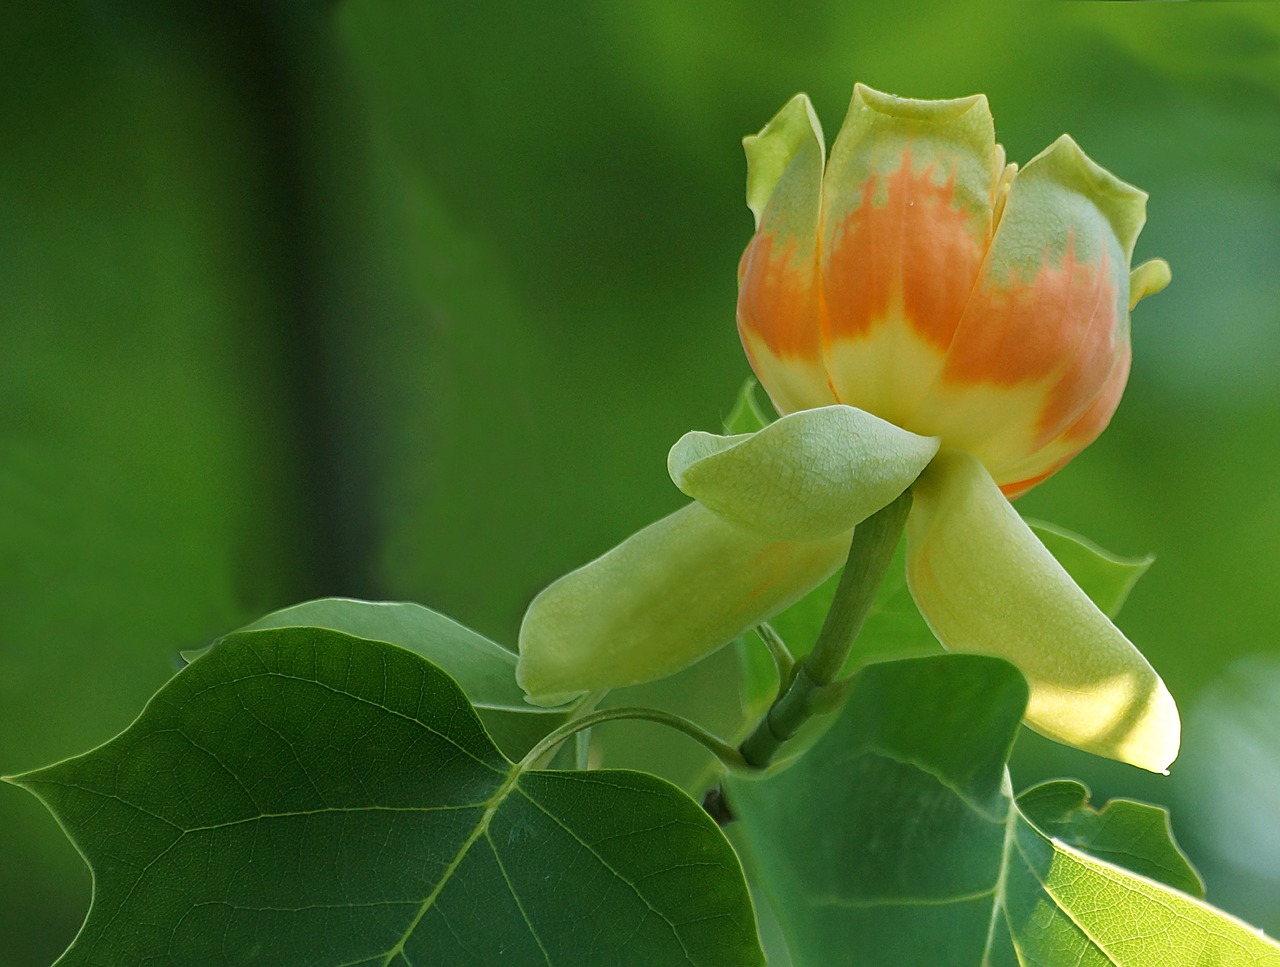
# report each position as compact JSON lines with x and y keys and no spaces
{"x":664,"y":598}
{"x":808,"y":476}
{"x":986,"y":585}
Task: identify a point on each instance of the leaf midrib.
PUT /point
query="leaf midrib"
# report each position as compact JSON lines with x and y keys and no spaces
{"x":491,"y":807}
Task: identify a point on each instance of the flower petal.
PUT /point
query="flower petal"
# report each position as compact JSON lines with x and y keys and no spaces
{"x":985,"y":584}
{"x":1046,"y":325}
{"x":661,"y":600}
{"x":908,"y":202}
{"x":810,"y":475}
{"x":777,"y":293}
{"x":1147,"y":279}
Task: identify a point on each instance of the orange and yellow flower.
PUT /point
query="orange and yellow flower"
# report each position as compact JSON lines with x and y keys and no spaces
{"x":923,"y":315}
{"x":919,"y":277}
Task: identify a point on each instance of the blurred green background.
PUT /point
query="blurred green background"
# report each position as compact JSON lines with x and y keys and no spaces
{"x":408,"y":300}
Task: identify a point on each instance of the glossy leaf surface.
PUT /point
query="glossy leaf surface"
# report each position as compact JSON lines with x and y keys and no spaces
{"x":1131,"y":834}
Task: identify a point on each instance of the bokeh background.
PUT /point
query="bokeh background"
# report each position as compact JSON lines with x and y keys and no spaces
{"x":407,"y":299}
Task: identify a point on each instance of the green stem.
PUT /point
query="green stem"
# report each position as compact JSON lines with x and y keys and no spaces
{"x":582,"y":750}
{"x":580,"y":708}
{"x":813,"y":688}
{"x":721,"y":749}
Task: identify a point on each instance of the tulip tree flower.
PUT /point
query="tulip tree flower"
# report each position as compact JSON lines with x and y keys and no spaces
{"x":924,"y":317}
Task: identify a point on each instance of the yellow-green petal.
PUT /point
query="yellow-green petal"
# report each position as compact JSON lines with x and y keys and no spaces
{"x":986,"y":585}
{"x":661,"y":600}
{"x":793,"y":130}
{"x":1147,"y":279}
{"x":808,"y":476}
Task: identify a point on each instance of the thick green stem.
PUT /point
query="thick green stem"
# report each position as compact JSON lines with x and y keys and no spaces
{"x":813,"y":688}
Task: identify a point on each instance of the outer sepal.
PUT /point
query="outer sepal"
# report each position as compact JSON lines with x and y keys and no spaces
{"x":986,"y":585}
{"x":808,"y":476}
{"x":662,"y":599}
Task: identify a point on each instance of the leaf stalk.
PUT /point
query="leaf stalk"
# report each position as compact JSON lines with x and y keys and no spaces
{"x":721,"y":749}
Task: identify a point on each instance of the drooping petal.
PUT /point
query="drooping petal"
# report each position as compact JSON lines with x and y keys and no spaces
{"x":1045,"y":333}
{"x":810,"y":475}
{"x":662,"y":599}
{"x":778,"y":305}
{"x":908,"y":200}
{"x":985,"y":584}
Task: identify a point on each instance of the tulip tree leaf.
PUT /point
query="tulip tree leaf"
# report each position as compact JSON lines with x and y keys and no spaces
{"x":1105,"y":577}
{"x":933,"y":862}
{"x":301,"y":796}
{"x":1130,"y":834}
{"x":483,"y":669}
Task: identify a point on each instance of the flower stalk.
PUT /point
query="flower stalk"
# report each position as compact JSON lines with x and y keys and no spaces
{"x":813,"y":687}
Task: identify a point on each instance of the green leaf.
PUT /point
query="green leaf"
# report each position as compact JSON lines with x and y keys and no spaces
{"x":1131,"y":834}
{"x":932,"y":862}
{"x":1105,"y":577}
{"x":301,"y":796}
{"x":483,"y":669}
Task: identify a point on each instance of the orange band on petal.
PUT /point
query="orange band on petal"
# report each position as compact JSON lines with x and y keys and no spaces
{"x":908,"y":248}
{"x":1024,"y":331}
{"x":1094,"y":420}
{"x":776,"y":298}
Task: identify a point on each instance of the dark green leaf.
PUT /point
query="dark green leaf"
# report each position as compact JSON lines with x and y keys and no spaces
{"x":931,"y":862}
{"x":301,"y":796}
{"x":483,"y":669}
{"x":1131,"y":834}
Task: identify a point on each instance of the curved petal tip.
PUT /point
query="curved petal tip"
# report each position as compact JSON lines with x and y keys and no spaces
{"x":986,"y":585}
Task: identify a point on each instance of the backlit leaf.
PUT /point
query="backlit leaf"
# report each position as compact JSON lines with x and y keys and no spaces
{"x":932,"y":862}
